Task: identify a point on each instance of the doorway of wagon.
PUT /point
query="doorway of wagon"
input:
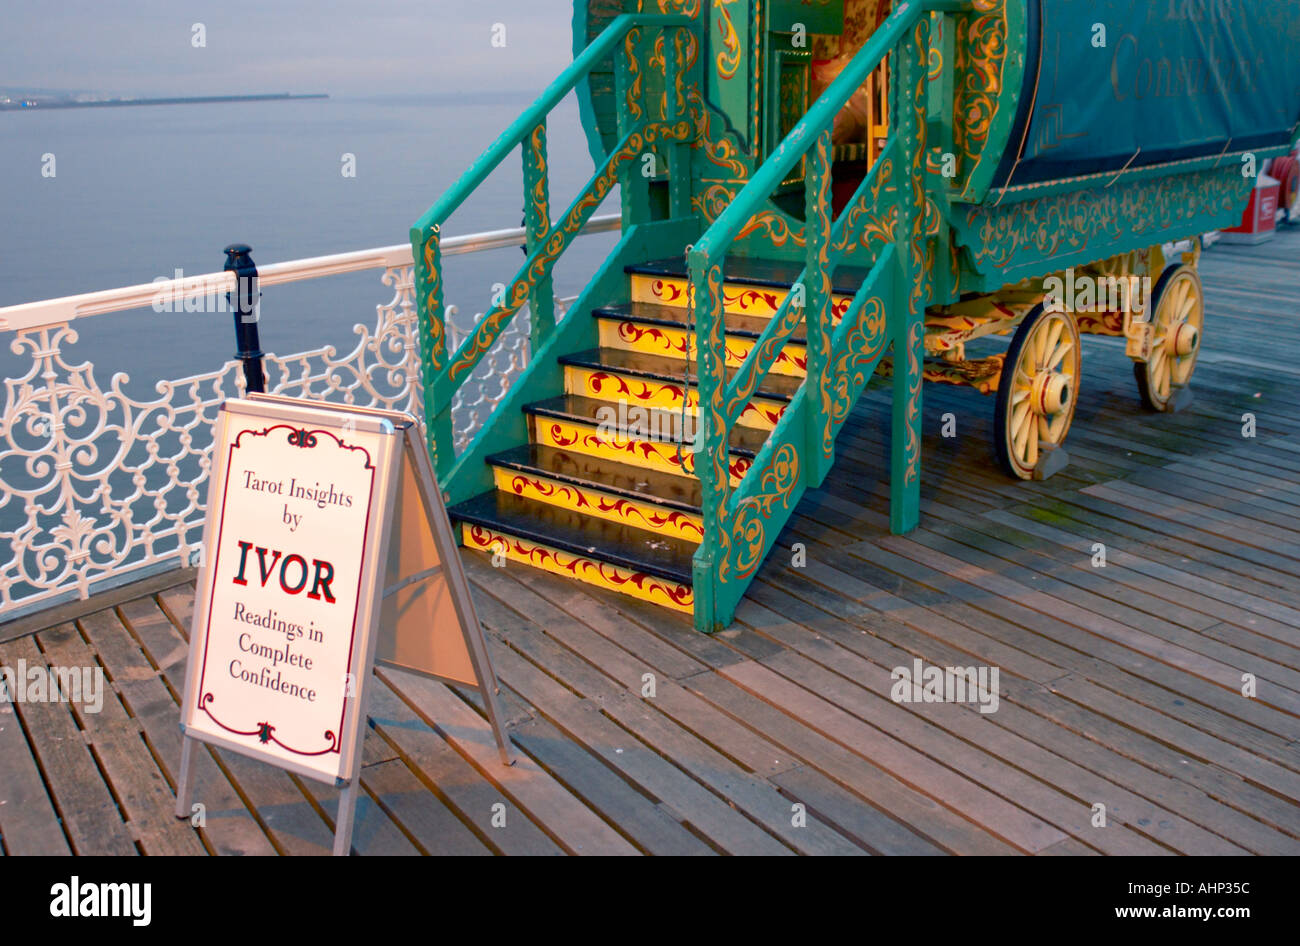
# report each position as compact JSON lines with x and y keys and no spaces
{"x":861,"y":128}
{"x":802,"y":46}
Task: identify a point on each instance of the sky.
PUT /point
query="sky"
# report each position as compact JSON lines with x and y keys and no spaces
{"x":346,"y":48}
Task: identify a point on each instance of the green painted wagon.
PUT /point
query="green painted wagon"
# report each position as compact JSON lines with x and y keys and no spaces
{"x":814,"y":191}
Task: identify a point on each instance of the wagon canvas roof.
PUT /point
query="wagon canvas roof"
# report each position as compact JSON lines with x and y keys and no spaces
{"x":1122,"y":84}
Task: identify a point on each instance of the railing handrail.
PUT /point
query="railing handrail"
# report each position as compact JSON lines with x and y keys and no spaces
{"x":522,"y":126}
{"x":713,"y":244}
{"x":176,"y":292}
{"x":548,"y":238}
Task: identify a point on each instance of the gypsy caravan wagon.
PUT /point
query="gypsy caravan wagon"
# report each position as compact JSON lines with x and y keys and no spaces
{"x":814,"y":191}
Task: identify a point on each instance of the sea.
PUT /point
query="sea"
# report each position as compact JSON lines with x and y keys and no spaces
{"x":140,"y":193}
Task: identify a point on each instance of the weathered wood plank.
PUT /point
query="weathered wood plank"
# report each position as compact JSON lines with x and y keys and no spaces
{"x":230,"y":828}
{"x":91,"y":818}
{"x":1010,"y":742}
{"x":457,"y":784}
{"x":981,"y":635}
{"x":1043,"y":634}
{"x":741,"y":788}
{"x":529,"y":787}
{"x":142,"y":791}
{"x":28,"y":822}
{"x":958,"y":791}
{"x":426,"y":821}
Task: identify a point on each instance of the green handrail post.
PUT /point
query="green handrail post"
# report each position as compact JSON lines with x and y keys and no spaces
{"x":820,"y":441}
{"x":678,"y":77}
{"x":772,"y":172}
{"x":633,"y":181}
{"x":943,"y":30}
{"x":907,"y":93}
{"x":537,"y":223}
{"x":710,"y":454}
{"x":715,"y":572}
{"x":427,"y":274}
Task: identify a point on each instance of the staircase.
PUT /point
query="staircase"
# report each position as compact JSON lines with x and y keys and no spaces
{"x":655,"y":447}
{"x":605,"y":491}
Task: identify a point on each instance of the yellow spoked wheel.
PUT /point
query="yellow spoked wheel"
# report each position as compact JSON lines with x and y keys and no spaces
{"x":1179,"y":321}
{"x":1037,"y":391}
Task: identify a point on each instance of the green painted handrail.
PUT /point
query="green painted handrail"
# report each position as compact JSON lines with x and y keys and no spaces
{"x":536,"y":269}
{"x":536,"y":113}
{"x":441,"y":375}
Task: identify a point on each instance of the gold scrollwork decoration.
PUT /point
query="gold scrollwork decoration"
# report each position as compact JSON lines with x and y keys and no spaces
{"x":912,"y":440}
{"x":729,"y":55}
{"x":541,"y":204}
{"x":434,"y":341}
{"x":863,"y":346}
{"x":748,"y":524}
{"x":980,"y":52}
{"x":633,"y":96}
{"x":1074,"y":220}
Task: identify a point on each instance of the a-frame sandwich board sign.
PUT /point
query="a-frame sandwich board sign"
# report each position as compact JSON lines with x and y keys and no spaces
{"x":327,"y":548}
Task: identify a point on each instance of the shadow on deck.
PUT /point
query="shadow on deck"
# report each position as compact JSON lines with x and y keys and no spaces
{"x":1119,"y":686}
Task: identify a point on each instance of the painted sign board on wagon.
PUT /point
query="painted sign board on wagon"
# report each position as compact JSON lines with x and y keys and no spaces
{"x":326,"y":548}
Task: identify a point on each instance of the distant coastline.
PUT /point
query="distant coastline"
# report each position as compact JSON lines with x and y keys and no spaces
{"x":29,"y":104}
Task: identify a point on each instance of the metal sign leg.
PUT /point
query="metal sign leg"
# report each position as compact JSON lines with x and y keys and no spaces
{"x":185,"y":780}
{"x":346,"y":815}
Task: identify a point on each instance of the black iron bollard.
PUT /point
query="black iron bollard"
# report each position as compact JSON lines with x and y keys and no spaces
{"x":244,"y":305}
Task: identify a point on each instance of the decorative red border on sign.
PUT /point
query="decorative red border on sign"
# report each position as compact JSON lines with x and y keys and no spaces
{"x":306,"y":439}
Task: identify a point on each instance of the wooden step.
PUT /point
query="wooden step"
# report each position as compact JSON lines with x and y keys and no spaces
{"x":601,"y":552}
{"x":633,"y":495}
{"x":751,"y":287}
{"x":753,"y":271}
{"x":613,"y":374}
{"x":662,"y":330}
{"x":637,"y":436}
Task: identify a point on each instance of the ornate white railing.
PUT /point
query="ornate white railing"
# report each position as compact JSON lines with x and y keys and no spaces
{"x":98,"y":487}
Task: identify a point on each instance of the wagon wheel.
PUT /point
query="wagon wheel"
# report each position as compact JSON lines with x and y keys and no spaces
{"x":1037,"y":390}
{"x":1179,"y":321}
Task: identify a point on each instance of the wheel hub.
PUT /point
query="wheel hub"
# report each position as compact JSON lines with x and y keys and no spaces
{"x":1183,"y":340}
{"x":1051,"y":393}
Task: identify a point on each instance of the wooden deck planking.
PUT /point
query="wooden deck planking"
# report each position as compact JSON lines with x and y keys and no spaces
{"x":115,"y":737}
{"x":230,"y":827}
{"x":84,"y":800}
{"x":1119,"y":685}
{"x":1113,"y":769}
{"x":1013,"y":743}
{"x":976,"y":599}
{"x":29,"y":823}
{"x":1127,"y":653}
{"x":290,"y":820}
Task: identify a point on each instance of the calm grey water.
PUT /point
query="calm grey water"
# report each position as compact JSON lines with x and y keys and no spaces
{"x":141,"y":192}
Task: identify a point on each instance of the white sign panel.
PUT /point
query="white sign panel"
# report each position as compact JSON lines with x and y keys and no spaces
{"x":285,"y":603}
